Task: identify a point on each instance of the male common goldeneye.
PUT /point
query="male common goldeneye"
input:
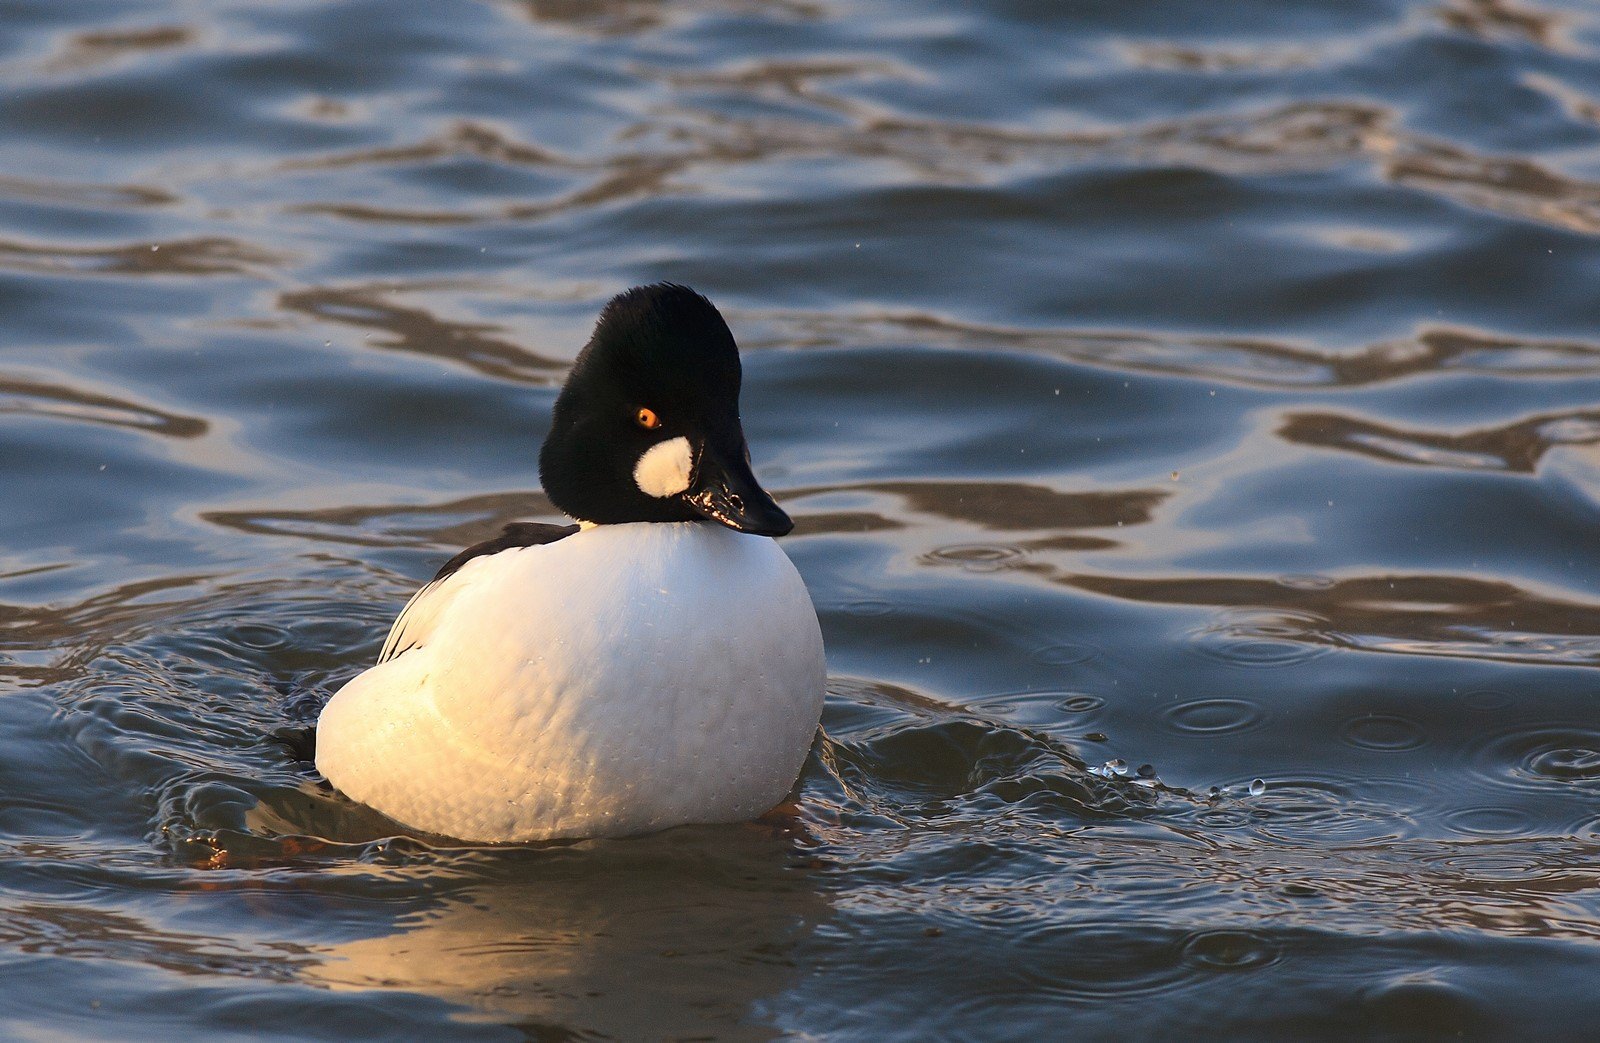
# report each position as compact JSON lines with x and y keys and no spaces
{"x":658,"y":664}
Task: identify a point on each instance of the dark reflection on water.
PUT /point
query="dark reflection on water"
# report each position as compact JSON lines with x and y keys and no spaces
{"x":1190,"y":416}
{"x":419,"y":330}
{"x":1515,"y":447}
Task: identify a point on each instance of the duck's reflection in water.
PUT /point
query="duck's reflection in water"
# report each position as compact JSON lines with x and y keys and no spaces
{"x":686,"y":933}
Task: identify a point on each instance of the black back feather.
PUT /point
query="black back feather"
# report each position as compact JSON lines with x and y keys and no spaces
{"x":517,"y":534}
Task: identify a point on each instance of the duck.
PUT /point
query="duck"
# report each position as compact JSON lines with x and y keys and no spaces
{"x":656,"y":663}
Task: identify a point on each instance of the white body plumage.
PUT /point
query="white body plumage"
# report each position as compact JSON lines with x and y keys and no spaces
{"x":627,"y":678}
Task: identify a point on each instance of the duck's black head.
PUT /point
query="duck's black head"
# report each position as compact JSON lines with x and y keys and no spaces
{"x":647,"y":426}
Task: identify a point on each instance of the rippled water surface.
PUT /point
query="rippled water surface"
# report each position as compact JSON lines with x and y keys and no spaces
{"x":1191,"y":414}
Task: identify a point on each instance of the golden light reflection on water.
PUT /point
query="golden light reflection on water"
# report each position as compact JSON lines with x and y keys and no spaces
{"x":629,"y":941}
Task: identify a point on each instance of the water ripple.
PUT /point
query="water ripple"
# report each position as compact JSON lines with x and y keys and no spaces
{"x":1454,"y":616}
{"x":978,"y":557}
{"x":925,"y":758}
{"x":1229,"y":950}
{"x":84,"y":195}
{"x":418,"y":331}
{"x":1387,"y":733}
{"x":1214,"y":716}
{"x":1002,"y":505}
{"x":287,"y":289}
{"x":203,"y":256}
{"x":1247,"y":361}
{"x":1515,"y":447}
{"x":1537,"y":758}
{"x":1265,"y":639}
{"x":633,"y":17}
{"x":37,"y":398}
{"x":93,"y":51}
{"x":451,"y":524}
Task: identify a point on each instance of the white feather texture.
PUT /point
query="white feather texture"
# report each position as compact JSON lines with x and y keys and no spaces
{"x":624,"y":679}
{"x":663,"y":469}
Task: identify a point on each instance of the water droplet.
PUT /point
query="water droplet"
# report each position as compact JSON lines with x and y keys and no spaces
{"x":1147,"y":771}
{"x":1257,"y":787}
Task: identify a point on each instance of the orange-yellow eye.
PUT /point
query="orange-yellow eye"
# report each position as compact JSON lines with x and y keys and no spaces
{"x":647,"y":419}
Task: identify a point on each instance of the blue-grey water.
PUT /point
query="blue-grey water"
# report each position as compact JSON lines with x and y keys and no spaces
{"x":1191,"y":414}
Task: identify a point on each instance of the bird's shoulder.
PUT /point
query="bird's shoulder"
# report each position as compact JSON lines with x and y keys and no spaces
{"x":517,"y":534}
{"x":417,"y":620}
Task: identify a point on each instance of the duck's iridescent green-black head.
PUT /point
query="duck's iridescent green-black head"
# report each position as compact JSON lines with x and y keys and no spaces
{"x":647,"y":427}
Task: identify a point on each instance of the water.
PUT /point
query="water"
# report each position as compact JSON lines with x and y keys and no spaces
{"x":1191,"y":414}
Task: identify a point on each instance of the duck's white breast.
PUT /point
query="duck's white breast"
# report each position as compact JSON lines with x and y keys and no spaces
{"x":624,"y":679}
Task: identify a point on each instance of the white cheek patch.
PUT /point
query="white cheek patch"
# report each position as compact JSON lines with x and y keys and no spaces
{"x":664,"y":468}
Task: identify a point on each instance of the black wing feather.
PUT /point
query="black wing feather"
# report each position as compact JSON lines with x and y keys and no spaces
{"x":517,"y":534}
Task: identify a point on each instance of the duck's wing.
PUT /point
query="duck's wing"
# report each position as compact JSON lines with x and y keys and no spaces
{"x":422,"y":612}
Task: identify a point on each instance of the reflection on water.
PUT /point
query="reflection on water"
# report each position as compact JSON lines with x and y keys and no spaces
{"x":1515,"y":447}
{"x":1190,"y":413}
{"x":571,"y":938}
{"x":1491,"y":18}
{"x":455,"y":524}
{"x":179,"y":257}
{"x":91,"y":51}
{"x":1416,"y":615}
{"x":627,"y":17}
{"x":69,"y":403}
{"x":420,"y":331}
{"x":1235,"y":360}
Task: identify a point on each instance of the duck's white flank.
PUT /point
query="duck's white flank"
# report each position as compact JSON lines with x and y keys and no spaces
{"x":664,"y":468}
{"x":624,"y":679}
